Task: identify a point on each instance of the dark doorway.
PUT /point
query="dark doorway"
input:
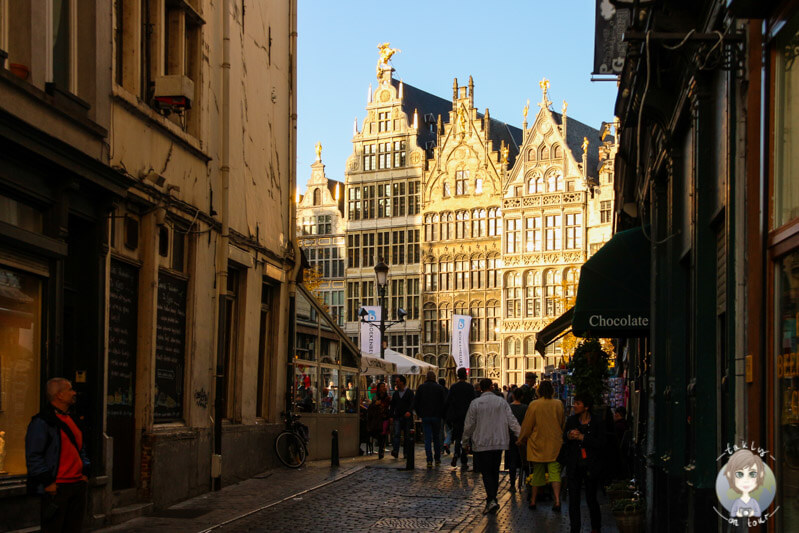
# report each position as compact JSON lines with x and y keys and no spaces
{"x":82,"y":344}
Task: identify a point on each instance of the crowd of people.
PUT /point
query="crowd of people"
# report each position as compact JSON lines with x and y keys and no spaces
{"x":542,"y":445}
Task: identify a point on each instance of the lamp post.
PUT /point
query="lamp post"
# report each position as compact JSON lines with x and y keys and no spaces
{"x":381,"y":273}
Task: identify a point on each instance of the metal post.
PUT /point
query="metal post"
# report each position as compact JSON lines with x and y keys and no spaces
{"x":381,"y":290}
{"x":334,"y":449}
{"x":409,"y":447}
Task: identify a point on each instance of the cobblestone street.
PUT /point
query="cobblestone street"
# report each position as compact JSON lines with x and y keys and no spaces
{"x":363,"y":494}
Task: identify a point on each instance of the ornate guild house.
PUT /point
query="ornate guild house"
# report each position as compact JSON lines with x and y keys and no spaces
{"x":472,"y":215}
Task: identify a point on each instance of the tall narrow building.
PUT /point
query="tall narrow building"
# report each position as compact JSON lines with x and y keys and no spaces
{"x":383,"y":182}
{"x":556,"y":210}
{"x":461,"y":256}
{"x":321,"y":230}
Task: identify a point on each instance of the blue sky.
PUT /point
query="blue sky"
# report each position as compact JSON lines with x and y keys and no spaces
{"x":506,"y":46}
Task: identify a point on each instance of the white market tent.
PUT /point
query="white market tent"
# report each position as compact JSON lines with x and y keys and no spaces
{"x":405,"y":364}
{"x":372,"y":365}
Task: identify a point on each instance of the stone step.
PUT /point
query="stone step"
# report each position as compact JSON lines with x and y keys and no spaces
{"x":124,"y":497}
{"x":128,"y":512}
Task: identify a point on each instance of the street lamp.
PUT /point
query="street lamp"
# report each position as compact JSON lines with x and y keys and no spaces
{"x":381,"y":274}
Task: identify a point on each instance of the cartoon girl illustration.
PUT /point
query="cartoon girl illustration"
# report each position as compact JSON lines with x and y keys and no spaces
{"x":745,"y":473}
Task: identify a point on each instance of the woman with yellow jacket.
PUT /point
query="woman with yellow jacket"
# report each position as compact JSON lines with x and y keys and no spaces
{"x":542,"y":428}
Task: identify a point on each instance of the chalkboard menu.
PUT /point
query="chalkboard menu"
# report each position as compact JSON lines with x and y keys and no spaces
{"x":122,"y":334}
{"x":170,"y":348}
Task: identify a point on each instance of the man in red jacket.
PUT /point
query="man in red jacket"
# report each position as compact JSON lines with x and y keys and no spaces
{"x":57,"y":462}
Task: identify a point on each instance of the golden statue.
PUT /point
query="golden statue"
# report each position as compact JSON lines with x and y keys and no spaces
{"x":505,"y":151}
{"x":462,"y":119}
{"x":565,"y":106}
{"x":526,"y":109}
{"x":385,"y":56}
{"x":318,"y":151}
{"x":545,"y":102}
{"x":585,"y":145}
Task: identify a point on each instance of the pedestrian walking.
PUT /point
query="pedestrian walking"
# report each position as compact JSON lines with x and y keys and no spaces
{"x":487,"y":429}
{"x":377,"y":417}
{"x":446,"y":428}
{"x":58,"y":466}
{"x":529,"y":387}
{"x":429,"y":406}
{"x":401,"y":414}
{"x":460,"y":396}
{"x":515,"y":456}
{"x":542,"y":429}
{"x":584,"y":439}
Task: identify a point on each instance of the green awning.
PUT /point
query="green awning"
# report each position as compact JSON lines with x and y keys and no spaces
{"x":553,"y":331}
{"x":613,"y":294}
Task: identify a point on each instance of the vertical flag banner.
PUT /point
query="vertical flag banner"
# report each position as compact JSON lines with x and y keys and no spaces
{"x":460,"y":340}
{"x":370,"y":334}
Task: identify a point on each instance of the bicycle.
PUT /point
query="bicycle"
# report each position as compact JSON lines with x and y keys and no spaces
{"x":291,"y":445}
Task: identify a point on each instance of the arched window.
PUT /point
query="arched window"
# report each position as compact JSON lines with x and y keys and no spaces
{"x":461,"y":273}
{"x":513,"y":290}
{"x":543,"y":152}
{"x":492,"y":271}
{"x":570,"y":282}
{"x":317,"y":196}
{"x":494,"y":222}
{"x":556,"y":151}
{"x":428,"y":228}
{"x":554,"y":182}
{"x":435,"y":232}
{"x":444,"y":320}
{"x":478,"y":223}
{"x":478,"y":185}
{"x":446,"y":193}
{"x":460,"y":307}
{"x":492,"y":320}
{"x":476,"y":311}
{"x":430,"y":274}
{"x":447,"y":228}
{"x":532,"y":293}
{"x":462,"y":225}
{"x":531,"y":154}
{"x":429,"y":358}
{"x":553,"y":292}
{"x":445,"y":274}
{"x":512,"y":346}
{"x":480,"y":367}
{"x":529,"y":348}
{"x":531,"y":185}
{"x":430,"y":330}
{"x":478,"y":274}
{"x":461,"y":178}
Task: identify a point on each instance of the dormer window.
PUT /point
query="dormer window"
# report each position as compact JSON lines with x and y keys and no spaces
{"x":317,"y":197}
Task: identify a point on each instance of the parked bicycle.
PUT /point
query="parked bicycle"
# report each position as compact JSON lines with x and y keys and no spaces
{"x":291,"y":445}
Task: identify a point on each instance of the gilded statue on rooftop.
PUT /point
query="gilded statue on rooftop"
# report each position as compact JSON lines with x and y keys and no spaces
{"x":386,"y":52}
{"x":318,"y":151}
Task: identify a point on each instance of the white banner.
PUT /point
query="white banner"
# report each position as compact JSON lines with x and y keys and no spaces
{"x":370,"y":334}
{"x":460,"y":340}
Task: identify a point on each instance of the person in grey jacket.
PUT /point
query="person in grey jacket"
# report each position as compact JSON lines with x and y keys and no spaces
{"x":486,"y":431}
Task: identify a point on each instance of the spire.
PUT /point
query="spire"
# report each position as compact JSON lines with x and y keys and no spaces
{"x":369,"y":95}
{"x":524,"y":113}
{"x":487,"y":124}
{"x":355,"y":126}
{"x":455,"y":89}
{"x":563,"y":125}
{"x":401,"y":89}
{"x":471,"y":91}
{"x":416,"y":119}
{"x":438,"y":126}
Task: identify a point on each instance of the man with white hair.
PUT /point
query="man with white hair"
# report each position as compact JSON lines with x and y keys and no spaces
{"x":56,"y":459}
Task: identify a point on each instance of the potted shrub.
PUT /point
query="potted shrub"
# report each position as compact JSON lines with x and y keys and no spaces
{"x":629,"y":515}
{"x":620,"y":490}
{"x":588,"y":370}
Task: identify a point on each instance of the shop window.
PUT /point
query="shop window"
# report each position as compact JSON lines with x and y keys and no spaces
{"x":265,"y":345}
{"x":349,"y":392}
{"x":20,"y":215}
{"x":786,"y":117}
{"x":170,"y":347}
{"x":306,"y":393}
{"x":20,"y":356}
{"x":329,"y":389}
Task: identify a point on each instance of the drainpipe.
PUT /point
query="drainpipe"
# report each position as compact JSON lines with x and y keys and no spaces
{"x":222,"y":250}
{"x":291,"y":195}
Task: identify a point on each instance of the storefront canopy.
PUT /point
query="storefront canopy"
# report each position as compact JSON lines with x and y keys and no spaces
{"x":553,"y":331}
{"x":613,"y":294}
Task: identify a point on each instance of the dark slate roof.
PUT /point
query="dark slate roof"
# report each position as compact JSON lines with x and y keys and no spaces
{"x":331,"y":186}
{"x":575,"y":131}
{"x":501,"y":131}
{"x":424,"y":102}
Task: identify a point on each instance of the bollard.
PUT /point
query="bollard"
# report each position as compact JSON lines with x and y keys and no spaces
{"x":409,"y":449}
{"x":334,"y":449}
